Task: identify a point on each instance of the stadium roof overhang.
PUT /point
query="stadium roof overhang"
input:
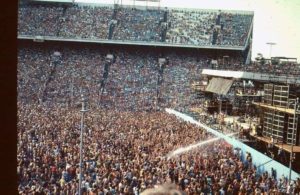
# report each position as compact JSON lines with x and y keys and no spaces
{"x":118,"y":42}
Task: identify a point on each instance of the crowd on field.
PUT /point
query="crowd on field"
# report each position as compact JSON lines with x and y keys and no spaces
{"x":126,"y":153}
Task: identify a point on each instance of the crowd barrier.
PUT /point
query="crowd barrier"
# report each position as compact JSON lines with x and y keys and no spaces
{"x":261,"y":161}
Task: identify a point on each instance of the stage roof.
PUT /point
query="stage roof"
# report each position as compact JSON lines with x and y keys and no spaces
{"x":262,"y":77}
{"x":219,"y":85}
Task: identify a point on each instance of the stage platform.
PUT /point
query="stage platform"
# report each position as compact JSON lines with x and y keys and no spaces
{"x":280,"y":109}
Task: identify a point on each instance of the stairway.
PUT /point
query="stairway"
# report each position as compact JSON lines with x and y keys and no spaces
{"x":104,"y":77}
{"x":111,"y":30}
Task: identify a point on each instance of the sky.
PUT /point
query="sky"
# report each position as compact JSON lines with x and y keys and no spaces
{"x":275,"y":21}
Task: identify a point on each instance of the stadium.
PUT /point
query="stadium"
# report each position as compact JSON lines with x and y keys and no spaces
{"x":131,"y":99}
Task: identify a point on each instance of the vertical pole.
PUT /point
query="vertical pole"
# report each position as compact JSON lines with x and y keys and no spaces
{"x":292,"y":146}
{"x":156,"y":104}
{"x":83,"y":110}
{"x":142,"y":91}
{"x":80,"y":163}
{"x":270,"y":51}
{"x":72,"y":90}
{"x":223,"y":61}
{"x":220,"y":106}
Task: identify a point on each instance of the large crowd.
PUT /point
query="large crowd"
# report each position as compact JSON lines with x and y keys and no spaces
{"x":133,"y":81}
{"x":130,"y":24}
{"x":86,"y":22}
{"x":127,"y":135}
{"x":138,"y":25}
{"x":191,"y":27}
{"x":126,"y":153}
{"x":234,"y":29}
{"x":45,"y":78}
{"x":39,"y":20}
{"x":121,"y":154}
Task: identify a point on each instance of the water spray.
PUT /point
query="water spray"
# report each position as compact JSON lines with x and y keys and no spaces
{"x":193,"y":146}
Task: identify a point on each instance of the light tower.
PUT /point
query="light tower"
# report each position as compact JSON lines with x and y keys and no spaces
{"x":271,"y":45}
